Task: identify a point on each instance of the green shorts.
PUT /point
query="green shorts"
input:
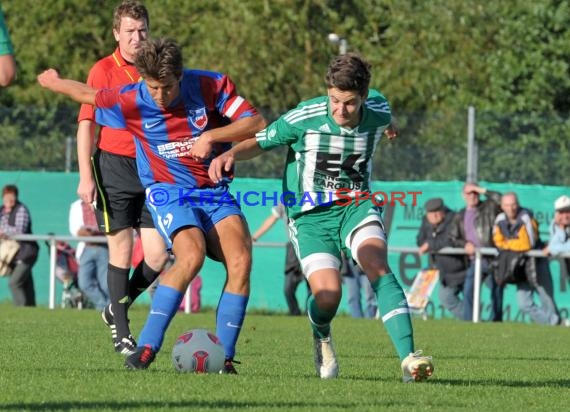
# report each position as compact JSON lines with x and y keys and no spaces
{"x":328,"y":230}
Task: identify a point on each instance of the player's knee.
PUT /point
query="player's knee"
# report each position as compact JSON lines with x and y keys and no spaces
{"x":121,"y":241}
{"x":239,"y":269}
{"x":374,"y":268}
{"x":157,"y":259}
{"x":328,"y":299}
{"x":190,"y":262}
{"x":239,"y":264}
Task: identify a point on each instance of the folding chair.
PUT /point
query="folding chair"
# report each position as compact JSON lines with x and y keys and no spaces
{"x":419,"y":294}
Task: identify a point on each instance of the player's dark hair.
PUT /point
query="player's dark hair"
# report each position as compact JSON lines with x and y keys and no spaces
{"x":159,"y":59}
{"x":349,"y":72}
{"x":132,"y":9}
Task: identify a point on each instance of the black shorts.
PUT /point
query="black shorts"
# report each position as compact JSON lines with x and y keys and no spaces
{"x":120,"y":194}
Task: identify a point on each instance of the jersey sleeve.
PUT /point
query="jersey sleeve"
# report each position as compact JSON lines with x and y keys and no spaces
{"x":278,"y":133}
{"x":229,"y":103}
{"x":378,"y":107}
{"x":108,"y":110}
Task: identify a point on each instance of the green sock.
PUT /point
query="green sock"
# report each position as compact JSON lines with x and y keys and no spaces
{"x":395,"y":314}
{"x":320,"y":319}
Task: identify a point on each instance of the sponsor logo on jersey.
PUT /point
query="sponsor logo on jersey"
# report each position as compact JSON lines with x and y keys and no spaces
{"x":179,"y":148}
{"x":198,"y":118}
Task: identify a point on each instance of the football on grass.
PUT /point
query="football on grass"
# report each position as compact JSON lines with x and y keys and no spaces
{"x":198,"y":351}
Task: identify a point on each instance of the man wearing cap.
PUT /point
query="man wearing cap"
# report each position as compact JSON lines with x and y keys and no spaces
{"x":433,"y":236}
{"x":472,"y":228}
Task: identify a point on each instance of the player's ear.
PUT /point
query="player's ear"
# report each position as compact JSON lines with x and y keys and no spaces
{"x":116,"y":34}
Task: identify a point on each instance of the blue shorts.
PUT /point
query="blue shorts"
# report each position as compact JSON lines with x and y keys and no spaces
{"x":174,"y":207}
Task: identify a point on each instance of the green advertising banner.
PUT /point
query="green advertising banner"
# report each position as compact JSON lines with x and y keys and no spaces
{"x":49,"y":195}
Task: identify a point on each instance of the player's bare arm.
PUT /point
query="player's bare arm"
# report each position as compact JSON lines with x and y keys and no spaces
{"x":237,"y":131}
{"x":86,"y":189}
{"x":77,"y":91}
{"x":221,"y":165}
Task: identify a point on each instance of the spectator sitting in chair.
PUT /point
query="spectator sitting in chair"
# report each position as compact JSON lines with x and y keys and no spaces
{"x":433,"y":236}
{"x":516,"y":230}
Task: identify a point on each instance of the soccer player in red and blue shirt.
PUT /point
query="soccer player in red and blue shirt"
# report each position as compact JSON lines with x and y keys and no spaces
{"x":181,"y":120}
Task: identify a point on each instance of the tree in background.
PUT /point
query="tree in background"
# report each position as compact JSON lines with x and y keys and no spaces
{"x":510,"y":60}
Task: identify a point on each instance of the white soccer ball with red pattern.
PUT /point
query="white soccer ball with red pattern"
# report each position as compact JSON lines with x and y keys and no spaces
{"x":198,"y":351}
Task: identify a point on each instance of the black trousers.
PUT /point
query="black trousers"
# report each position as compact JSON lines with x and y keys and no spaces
{"x":293,"y":277}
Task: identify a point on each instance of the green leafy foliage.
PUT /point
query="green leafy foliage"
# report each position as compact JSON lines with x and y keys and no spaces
{"x":510,"y":60}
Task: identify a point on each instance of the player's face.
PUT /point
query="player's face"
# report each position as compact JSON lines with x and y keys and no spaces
{"x":163,"y":93}
{"x":129,"y":37}
{"x":345,"y":107}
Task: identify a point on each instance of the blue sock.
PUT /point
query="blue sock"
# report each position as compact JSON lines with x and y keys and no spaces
{"x":231,"y":312}
{"x":164,"y":306}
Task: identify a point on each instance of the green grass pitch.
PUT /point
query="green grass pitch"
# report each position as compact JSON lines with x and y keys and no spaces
{"x":62,"y":360}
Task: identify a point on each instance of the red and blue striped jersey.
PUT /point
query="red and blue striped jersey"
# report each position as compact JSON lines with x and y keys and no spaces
{"x":164,"y":137}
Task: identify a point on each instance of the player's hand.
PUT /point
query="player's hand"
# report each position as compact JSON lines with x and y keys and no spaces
{"x":86,"y":190}
{"x":201,"y":149}
{"x":221,"y":166}
{"x":391,"y":131}
{"x":48,"y":78}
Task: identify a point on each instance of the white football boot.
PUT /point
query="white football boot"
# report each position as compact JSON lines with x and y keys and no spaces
{"x":416,"y":367}
{"x":325,"y":358}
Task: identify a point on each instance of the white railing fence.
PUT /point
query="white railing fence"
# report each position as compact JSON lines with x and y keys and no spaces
{"x":479,"y":254}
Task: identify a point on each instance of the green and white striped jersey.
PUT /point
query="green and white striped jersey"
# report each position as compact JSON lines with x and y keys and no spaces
{"x":324,"y":157}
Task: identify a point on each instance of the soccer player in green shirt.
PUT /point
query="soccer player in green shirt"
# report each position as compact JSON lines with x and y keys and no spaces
{"x":326,"y":189}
